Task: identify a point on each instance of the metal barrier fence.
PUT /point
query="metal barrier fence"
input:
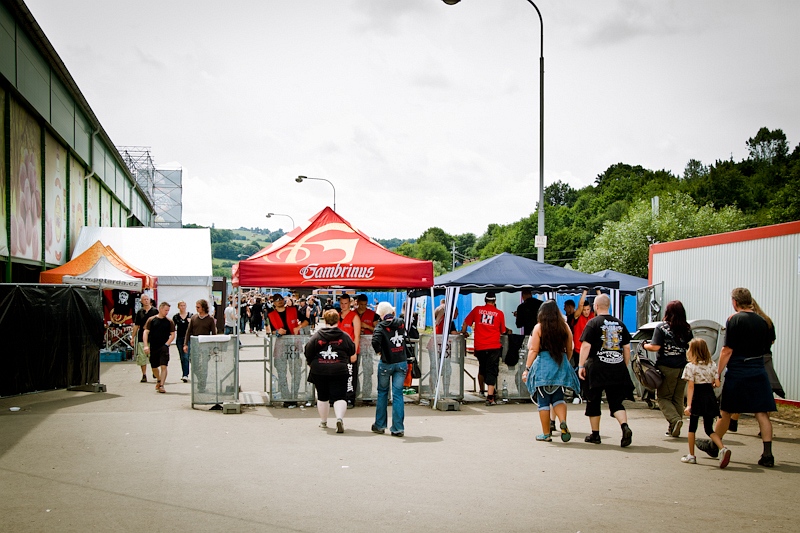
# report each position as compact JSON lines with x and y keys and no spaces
{"x":367,"y":371}
{"x":215,"y":370}
{"x":288,"y":371}
{"x":452,"y":368}
{"x":510,"y":385}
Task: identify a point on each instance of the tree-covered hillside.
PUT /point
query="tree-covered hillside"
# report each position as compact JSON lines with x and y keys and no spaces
{"x":610,"y":224}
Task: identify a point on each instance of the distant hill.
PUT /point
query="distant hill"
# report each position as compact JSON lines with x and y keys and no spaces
{"x":394,"y":243}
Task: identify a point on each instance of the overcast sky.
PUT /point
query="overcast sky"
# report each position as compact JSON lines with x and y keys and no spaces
{"x":423,"y":114}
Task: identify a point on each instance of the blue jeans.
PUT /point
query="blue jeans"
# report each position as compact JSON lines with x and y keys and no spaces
{"x":184,"y":360}
{"x":396,"y":373}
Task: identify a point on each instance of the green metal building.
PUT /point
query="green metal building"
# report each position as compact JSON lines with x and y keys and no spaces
{"x":59,"y":170}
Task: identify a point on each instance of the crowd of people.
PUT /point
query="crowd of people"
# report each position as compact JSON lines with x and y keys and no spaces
{"x":153,"y":332}
{"x":585,"y":352}
{"x":743,"y":374}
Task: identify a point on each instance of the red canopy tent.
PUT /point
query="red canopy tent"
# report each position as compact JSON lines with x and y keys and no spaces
{"x":329,"y":252}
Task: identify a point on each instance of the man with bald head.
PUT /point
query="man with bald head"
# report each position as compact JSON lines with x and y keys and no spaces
{"x":605,"y":354}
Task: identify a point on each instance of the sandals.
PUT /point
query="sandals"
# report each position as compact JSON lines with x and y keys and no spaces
{"x":544,"y":437}
{"x":158,"y":384}
{"x":161,"y":389}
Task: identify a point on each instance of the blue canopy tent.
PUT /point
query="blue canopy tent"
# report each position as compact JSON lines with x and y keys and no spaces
{"x":627,"y":284}
{"x":626,"y":298}
{"x":511,"y":273}
{"x":508,"y":273}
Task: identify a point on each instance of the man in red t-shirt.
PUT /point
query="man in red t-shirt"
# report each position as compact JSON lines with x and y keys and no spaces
{"x":582,"y":314}
{"x":284,"y":320}
{"x":488,"y":323}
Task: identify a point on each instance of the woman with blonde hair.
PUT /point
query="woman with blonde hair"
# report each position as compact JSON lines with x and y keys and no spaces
{"x":328,"y":352}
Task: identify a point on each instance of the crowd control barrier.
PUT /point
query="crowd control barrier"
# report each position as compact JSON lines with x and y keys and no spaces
{"x":452,"y":383}
{"x":510,"y":385}
{"x":288,"y":371}
{"x":215,"y":369}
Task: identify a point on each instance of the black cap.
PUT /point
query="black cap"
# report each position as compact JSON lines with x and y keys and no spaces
{"x":490,"y":296}
{"x":277,"y":296}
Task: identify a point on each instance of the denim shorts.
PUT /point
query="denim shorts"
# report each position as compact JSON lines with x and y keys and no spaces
{"x":545,"y":399}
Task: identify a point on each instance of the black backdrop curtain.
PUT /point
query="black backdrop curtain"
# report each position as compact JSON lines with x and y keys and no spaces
{"x":50,"y":337}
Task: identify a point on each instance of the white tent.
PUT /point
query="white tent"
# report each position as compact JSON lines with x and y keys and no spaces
{"x":106,"y":276}
{"x":180,"y":257}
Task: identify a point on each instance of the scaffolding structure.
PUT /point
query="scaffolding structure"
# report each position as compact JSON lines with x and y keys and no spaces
{"x":162,"y":186}
{"x":141,"y":165}
{"x":168,"y":198}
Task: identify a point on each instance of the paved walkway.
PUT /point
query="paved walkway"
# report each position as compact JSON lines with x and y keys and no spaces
{"x":134,"y":460}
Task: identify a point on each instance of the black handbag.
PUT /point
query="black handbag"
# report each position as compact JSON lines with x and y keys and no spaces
{"x":411,"y":359}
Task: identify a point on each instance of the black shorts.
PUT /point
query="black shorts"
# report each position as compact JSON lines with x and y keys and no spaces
{"x":489,"y":364}
{"x":614,"y":395}
{"x":330,"y":388}
{"x":159,"y":356}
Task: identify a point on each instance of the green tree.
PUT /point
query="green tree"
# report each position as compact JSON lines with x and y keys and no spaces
{"x":433,"y":251}
{"x":560,"y":193}
{"x":440,"y":268}
{"x":222,"y":235}
{"x":227,"y":250}
{"x":767,"y":146}
{"x":407,"y":249}
{"x":435,"y":234}
{"x":624,"y":245}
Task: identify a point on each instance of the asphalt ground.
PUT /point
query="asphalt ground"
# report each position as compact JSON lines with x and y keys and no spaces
{"x":131,"y":459}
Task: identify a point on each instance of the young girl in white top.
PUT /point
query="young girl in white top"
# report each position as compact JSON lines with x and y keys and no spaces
{"x":701,"y":373}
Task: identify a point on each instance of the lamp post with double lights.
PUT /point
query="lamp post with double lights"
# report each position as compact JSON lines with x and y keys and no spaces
{"x":299,"y":179}
{"x":540,"y":238}
{"x":270,"y":215}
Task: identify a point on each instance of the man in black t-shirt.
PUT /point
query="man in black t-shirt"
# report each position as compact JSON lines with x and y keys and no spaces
{"x":142,"y":315}
{"x":605,"y":355}
{"x":746,"y":388}
{"x":159,"y":331}
{"x":527,"y":312}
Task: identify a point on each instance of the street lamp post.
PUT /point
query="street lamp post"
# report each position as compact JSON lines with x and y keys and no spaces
{"x":299,"y":179}
{"x":270,"y":215}
{"x":540,"y":231}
